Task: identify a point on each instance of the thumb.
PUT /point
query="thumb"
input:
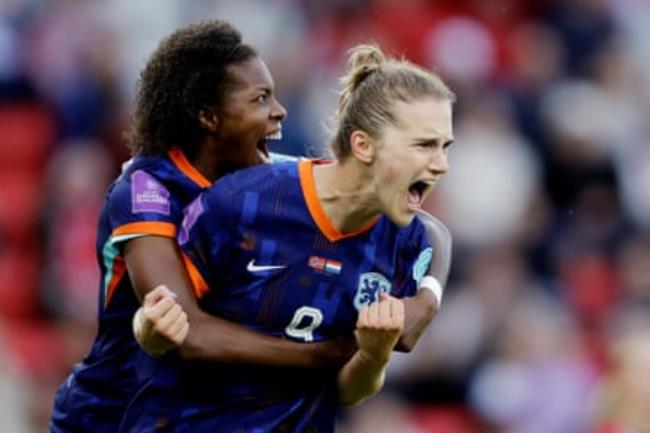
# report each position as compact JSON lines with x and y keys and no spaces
{"x":158,"y":293}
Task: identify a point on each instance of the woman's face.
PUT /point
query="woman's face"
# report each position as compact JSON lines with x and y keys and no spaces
{"x":250,"y":115}
{"x":411,"y":156}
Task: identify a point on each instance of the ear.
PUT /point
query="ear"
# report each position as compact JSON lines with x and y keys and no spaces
{"x":362,"y":146}
{"x":209,"y":120}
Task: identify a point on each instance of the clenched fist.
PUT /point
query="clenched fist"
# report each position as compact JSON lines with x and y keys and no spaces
{"x":379,"y":326}
{"x":160,"y":324}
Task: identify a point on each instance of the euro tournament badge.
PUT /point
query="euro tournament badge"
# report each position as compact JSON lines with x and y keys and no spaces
{"x":148,"y":194}
{"x":421,"y":265}
{"x":371,"y":284}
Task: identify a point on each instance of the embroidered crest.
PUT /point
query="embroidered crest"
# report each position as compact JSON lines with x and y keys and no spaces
{"x":371,"y":284}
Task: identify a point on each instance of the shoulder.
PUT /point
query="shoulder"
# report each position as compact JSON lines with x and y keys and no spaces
{"x":247,"y":191}
{"x":433,"y":226}
{"x":141,"y":175}
{"x":410,"y":240}
{"x":258,"y":178}
{"x":142,"y":190}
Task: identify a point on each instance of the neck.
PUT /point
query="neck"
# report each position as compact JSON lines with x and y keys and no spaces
{"x":347,"y":194}
{"x":206,"y":160}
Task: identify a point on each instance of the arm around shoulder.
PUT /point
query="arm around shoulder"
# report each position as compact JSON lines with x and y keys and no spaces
{"x":153,"y":261}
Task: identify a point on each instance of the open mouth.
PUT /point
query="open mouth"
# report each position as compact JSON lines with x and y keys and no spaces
{"x":417,"y":192}
{"x":262,"y":145}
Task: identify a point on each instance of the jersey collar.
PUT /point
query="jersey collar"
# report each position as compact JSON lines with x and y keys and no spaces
{"x":315,"y":207}
{"x":186,"y":167}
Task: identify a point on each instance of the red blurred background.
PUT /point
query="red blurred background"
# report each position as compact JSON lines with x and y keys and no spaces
{"x":544,"y":325}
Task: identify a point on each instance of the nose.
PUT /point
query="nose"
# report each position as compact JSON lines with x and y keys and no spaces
{"x":439,"y":163}
{"x":278,"y":112}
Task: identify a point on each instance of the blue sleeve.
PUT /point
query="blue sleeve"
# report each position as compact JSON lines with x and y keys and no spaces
{"x":419,"y":253}
{"x":204,"y":235}
{"x":139,"y":205}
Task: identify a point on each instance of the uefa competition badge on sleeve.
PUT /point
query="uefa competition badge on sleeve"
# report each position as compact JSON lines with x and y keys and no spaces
{"x":421,"y":265}
{"x":148,"y":195}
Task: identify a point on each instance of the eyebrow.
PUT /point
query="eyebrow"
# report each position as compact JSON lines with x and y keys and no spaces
{"x":433,"y":140}
{"x":264,"y":88}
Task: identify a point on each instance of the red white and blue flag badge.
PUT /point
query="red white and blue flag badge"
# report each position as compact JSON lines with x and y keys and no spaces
{"x":325,"y":265}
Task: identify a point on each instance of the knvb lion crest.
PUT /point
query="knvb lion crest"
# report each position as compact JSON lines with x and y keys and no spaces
{"x":371,"y":284}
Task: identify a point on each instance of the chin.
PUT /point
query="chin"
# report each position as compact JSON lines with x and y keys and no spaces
{"x":402,"y":219}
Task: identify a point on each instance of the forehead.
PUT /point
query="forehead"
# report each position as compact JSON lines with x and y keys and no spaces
{"x":425,"y":118}
{"x":251,"y":74}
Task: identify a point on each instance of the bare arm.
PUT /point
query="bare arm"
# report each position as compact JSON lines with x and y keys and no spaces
{"x":152,"y":261}
{"x":423,"y":306}
{"x":378,"y":328}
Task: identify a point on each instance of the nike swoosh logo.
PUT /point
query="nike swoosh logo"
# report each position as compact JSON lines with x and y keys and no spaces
{"x":252,"y":267}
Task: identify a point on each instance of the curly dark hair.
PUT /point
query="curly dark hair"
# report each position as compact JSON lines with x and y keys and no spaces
{"x":187,"y":73}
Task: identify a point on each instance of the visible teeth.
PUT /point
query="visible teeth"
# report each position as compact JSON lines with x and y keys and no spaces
{"x":277,"y":135}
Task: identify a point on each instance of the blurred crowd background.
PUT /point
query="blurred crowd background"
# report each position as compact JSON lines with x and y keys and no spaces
{"x":545,"y":325}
